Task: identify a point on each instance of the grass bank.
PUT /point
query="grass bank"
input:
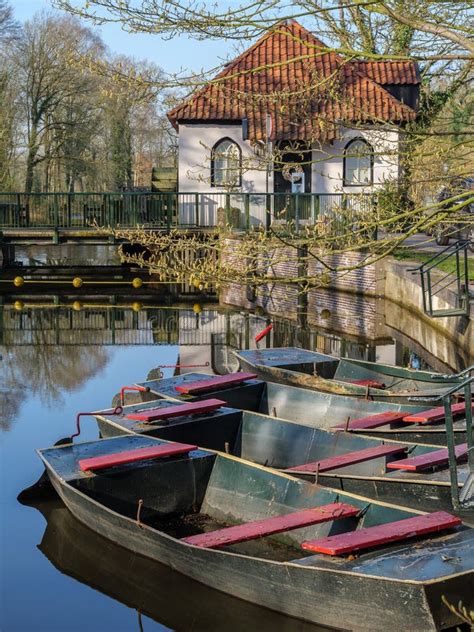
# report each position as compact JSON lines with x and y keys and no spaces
{"x":412,"y":254}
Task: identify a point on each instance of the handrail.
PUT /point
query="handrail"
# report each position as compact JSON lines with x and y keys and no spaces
{"x":450,"y":376}
{"x":450,"y":391}
{"x":156,"y":209}
{"x":456,"y":247}
{"x":448,"y":416}
{"x":467,"y":370}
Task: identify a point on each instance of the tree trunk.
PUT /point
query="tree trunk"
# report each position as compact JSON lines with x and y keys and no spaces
{"x":31,"y":159}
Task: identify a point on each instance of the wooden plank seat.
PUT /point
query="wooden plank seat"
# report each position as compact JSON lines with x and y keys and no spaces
{"x":183,"y":410}
{"x":214,"y":383}
{"x":436,"y":414}
{"x":349,"y":458}
{"x":371,"y":421}
{"x":370,"y":537}
{"x":431,"y":459}
{"x":271,"y":526}
{"x":369,"y":383}
{"x":131,"y":456}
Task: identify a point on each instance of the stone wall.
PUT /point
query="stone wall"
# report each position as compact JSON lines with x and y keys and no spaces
{"x":450,"y":339}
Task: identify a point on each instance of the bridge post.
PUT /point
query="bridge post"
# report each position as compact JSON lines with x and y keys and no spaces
{"x":168,"y":212}
{"x":18,"y":210}
{"x":69,"y":209}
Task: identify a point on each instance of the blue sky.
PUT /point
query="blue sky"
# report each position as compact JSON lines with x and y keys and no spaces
{"x":173,"y":55}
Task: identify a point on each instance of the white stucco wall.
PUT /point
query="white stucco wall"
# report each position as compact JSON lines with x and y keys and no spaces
{"x":328,"y":161}
{"x":194,"y":169}
{"x":194,"y":172}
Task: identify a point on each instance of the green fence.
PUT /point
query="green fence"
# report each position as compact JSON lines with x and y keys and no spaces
{"x":175,"y":210}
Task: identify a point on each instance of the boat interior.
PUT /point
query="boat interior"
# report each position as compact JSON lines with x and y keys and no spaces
{"x":215,"y":501}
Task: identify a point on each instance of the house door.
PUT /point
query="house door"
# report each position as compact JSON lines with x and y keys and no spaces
{"x":291,"y":157}
{"x":292,"y":174}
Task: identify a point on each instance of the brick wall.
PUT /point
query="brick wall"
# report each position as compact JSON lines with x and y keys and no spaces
{"x":346,"y":304}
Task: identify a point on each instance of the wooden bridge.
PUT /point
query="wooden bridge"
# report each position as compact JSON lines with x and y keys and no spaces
{"x":79,"y":217}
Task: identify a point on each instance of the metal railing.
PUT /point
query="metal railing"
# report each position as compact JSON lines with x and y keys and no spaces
{"x":459,"y":500}
{"x":433,"y":281}
{"x":181,"y":210}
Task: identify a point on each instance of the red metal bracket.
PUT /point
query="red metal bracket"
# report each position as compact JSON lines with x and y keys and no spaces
{"x":263,"y":333}
{"x":140,"y":389}
{"x":118,"y":410}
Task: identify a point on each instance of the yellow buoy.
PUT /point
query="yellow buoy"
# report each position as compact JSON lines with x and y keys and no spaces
{"x":196,"y":283}
{"x":77,"y":306}
{"x":77,"y":282}
{"x":137,"y":283}
{"x":18,"y":305}
{"x":197,"y":309}
{"x":18,"y":281}
{"x":136,"y":306}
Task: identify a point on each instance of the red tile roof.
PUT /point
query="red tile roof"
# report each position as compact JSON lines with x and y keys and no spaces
{"x":306,"y":88}
{"x":389,"y":72}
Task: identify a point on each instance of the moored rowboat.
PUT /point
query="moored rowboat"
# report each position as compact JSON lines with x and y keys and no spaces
{"x":404,"y":473}
{"x":343,"y":376}
{"x":311,"y":408}
{"x":302,"y":549}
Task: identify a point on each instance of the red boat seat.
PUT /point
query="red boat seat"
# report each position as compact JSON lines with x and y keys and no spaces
{"x":350,"y":458}
{"x":131,"y":456}
{"x":436,"y":414}
{"x":369,"y":383}
{"x":431,"y":459}
{"x":183,"y":410}
{"x":372,"y":421}
{"x":271,"y":526}
{"x":215,"y":383}
{"x":382,"y":534}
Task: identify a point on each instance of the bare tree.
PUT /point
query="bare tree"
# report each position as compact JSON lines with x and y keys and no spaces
{"x":48,"y":82}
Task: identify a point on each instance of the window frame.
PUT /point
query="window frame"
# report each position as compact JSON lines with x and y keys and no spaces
{"x":213,"y":169}
{"x":358,"y":139}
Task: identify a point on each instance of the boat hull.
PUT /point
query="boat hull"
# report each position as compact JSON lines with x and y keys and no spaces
{"x":152,"y":589}
{"x":344,"y":599}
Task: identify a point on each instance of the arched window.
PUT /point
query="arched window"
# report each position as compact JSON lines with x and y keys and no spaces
{"x":226,"y":168}
{"x":358,"y":163}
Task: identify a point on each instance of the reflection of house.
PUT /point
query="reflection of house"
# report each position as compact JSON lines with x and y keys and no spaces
{"x":336,"y":122}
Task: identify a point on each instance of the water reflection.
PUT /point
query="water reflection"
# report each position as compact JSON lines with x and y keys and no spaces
{"x":46,"y":371}
{"x":151,"y":589}
{"x":54,"y":347}
{"x":63,"y":354}
{"x":66,"y":254}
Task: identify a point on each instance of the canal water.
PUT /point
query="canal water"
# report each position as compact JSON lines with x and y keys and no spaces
{"x":61,"y":354}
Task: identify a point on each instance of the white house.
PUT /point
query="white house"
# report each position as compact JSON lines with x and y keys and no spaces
{"x":289,"y":116}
